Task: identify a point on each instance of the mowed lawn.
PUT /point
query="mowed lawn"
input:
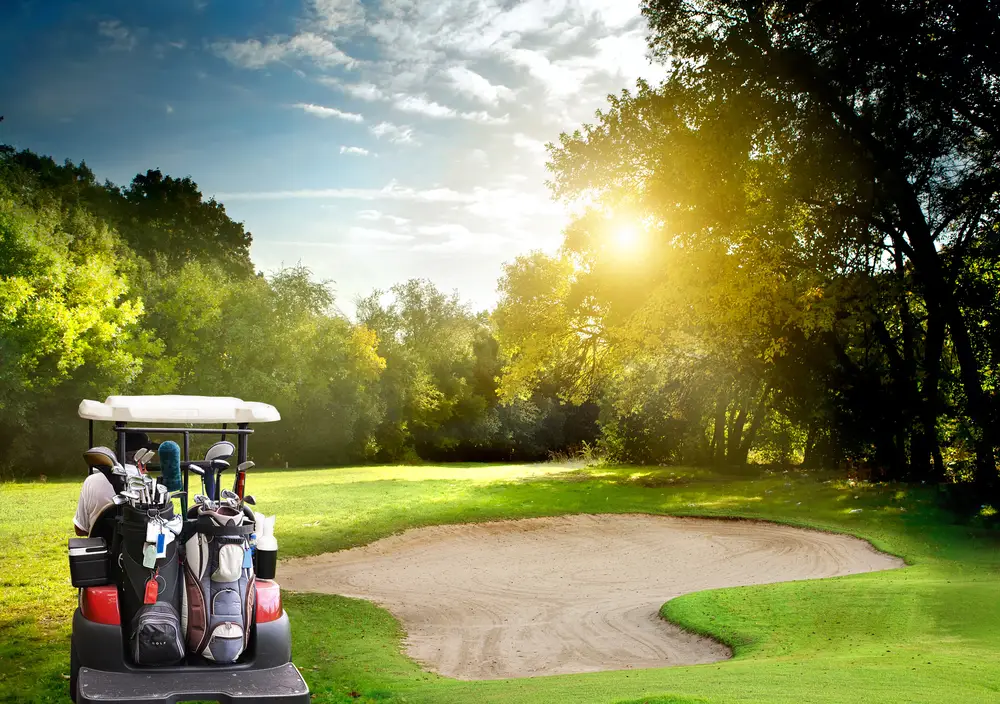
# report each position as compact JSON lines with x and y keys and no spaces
{"x":926,"y":633}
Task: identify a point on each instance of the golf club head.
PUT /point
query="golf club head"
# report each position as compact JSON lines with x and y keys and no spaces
{"x":244,"y":466}
{"x":201,"y":499}
{"x":220,"y":450}
{"x":227,"y":494}
{"x":118,"y":499}
{"x":250,"y":500}
{"x":196,"y":469}
{"x":148,"y":455}
{"x":219,"y":465}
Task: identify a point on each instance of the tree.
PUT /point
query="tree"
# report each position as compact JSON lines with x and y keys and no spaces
{"x":66,"y":315}
{"x":885,"y":114}
{"x":169,"y":217}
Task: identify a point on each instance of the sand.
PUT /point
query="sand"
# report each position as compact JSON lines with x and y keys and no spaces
{"x":546,"y":596}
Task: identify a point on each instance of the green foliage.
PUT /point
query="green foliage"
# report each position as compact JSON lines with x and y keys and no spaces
{"x":66,"y":314}
{"x":439,"y":387}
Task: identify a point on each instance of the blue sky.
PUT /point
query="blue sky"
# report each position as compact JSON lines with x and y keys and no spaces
{"x":373,"y":141}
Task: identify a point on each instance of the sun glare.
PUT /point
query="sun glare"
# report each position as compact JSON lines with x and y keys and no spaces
{"x":627,"y":237}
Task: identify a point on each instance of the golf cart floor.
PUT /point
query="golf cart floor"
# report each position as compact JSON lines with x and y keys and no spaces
{"x":277,"y":685}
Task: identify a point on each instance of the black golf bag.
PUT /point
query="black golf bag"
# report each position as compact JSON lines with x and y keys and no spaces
{"x":149,"y":596}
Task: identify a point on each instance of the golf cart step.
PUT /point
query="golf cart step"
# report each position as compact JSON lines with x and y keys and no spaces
{"x":277,"y":685}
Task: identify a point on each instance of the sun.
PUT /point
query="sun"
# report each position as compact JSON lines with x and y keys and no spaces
{"x":626,"y":237}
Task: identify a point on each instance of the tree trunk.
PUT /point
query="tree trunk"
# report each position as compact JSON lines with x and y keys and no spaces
{"x":734,"y":441}
{"x":931,"y":403}
{"x":810,"y":448}
{"x":719,"y":438}
{"x":759,"y":411}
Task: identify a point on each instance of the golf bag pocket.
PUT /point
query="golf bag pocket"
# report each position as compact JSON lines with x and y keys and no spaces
{"x":219,"y":591}
{"x":225,"y":643}
{"x":156,"y":637}
{"x":230,"y":563}
{"x":227,"y":602}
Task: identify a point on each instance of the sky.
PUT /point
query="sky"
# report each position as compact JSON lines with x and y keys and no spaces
{"x":373,"y":141}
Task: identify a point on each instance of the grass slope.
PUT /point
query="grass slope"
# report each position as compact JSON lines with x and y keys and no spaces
{"x":930,"y":632}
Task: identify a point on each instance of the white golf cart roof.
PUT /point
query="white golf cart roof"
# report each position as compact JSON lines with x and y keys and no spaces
{"x":178,"y":409}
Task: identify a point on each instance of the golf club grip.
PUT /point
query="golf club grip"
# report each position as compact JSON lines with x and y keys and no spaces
{"x":241,"y":482}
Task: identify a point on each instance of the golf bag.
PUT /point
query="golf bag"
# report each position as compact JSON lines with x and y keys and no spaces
{"x":219,"y":595}
{"x":149,"y":595}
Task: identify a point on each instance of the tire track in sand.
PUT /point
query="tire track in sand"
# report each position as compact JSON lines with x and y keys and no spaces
{"x":546,"y":596}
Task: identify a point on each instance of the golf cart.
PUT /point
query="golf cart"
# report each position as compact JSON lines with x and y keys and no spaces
{"x":177,"y":607}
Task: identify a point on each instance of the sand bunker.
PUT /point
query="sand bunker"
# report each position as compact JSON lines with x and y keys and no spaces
{"x":548,"y":596}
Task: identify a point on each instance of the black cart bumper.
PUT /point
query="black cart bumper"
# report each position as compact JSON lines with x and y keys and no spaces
{"x":276,"y":685}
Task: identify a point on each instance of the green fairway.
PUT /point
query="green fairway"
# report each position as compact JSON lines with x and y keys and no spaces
{"x":927,"y":633}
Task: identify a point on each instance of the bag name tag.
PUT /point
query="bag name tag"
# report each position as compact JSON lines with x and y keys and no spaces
{"x":152,"y":591}
{"x":149,"y":556}
{"x":161,"y":545}
{"x":247,"y":560}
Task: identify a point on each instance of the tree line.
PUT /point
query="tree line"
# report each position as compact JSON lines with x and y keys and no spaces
{"x":149,"y":289}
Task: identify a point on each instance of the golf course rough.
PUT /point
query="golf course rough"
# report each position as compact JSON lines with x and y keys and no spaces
{"x":570,"y":594}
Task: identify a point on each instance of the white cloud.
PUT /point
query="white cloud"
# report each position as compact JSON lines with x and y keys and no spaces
{"x":376,"y":215}
{"x":479,"y":157}
{"x":321,"y":111}
{"x":170,"y":108}
{"x":473,"y":85}
{"x":122,"y":39}
{"x":251,"y":53}
{"x":484,"y":118}
{"x":523,"y":141}
{"x":362,"y":91}
{"x":422,"y":106}
{"x":361,"y":151}
{"x":319,"y":49}
{"x":369,"y":234}
{"x":254,"y":54}
{"x":397,"y":134}
{"x":391,"y":191}
{"x":337,"y":14}
{"x":559,"y":78}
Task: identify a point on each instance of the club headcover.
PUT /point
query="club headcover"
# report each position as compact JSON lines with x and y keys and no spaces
{"x":170,"y":465}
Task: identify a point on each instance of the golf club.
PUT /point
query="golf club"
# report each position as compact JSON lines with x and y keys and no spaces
{"x":220,"y":451}
{"x":201,"y":473}
{"x":240,"y":485}
{"x":249,"y":499}
{"x":219,"y":466}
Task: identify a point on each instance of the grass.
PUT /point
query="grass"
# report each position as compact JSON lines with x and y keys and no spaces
{"x":930,"y":632}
